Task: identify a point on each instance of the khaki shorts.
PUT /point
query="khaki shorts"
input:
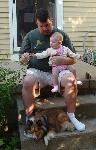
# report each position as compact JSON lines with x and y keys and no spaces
{"x":44,"y":78}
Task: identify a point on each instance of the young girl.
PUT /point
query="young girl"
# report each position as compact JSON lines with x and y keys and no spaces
{"x":57,"y":49}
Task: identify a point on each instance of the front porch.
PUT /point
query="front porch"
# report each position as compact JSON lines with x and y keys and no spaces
{"x":85,"y":111}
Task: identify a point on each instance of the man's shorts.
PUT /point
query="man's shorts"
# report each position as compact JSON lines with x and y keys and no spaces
{"x":45,"y":78}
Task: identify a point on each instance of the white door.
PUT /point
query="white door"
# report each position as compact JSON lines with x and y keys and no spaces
{"x":22,"y":18}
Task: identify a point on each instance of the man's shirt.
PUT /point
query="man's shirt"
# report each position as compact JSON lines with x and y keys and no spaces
{"x":35,"y":42}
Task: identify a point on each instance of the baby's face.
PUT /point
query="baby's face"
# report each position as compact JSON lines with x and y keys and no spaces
{"x":55,"y":43}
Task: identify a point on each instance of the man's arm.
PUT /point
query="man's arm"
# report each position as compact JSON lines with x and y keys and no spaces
{"x":24,"y":58}
{"x":26,"y":45}
{"x":24,"y":53}
{"x":60,"y":60}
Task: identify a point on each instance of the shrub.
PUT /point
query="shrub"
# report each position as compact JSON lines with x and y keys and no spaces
{"x":8,"y":82}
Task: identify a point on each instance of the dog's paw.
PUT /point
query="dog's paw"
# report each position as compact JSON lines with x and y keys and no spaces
{"x":46,"y":140}
{"x":68,"y":126}
{"x":48,"y":137}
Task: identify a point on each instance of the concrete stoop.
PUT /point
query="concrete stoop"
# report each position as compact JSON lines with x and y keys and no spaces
{"x":66,"y":141}
{"x":85,"y":112}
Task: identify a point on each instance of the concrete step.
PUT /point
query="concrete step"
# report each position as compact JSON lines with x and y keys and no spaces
{"x":84,"y":105}
{"x":88,"y":87}
{"x":85,"y":72}
{"x":85,"y":140}
{"x":85,"y":112}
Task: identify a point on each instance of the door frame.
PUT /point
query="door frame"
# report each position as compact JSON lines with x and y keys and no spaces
{"x":14,"y":50}
{"x":59,"y":14}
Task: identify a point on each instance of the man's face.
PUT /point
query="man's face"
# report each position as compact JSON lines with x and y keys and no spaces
{"x":45,"y":28}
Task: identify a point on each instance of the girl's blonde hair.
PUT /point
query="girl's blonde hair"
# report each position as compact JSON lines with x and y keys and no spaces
{"x":57,"y":36}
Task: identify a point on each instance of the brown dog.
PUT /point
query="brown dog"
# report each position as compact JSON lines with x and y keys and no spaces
{"x":48,"y":122}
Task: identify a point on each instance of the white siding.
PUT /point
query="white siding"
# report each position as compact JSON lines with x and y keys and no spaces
{"x":4,"y":30}
{"x":80,"y":20}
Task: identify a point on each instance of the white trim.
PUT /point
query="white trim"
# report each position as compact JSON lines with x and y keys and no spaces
{"x":13,"y":27}
{"x":13,"y":31}
{"x":10,"y":25}
{"x":59,"y":14}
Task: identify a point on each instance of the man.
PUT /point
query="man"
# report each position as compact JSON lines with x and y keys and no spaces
{"x":38,"y":40}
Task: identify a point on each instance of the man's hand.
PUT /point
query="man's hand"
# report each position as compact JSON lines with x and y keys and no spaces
{"x":32,"y":55}
{"x":60,"y":60}
{"x":25,"y":58}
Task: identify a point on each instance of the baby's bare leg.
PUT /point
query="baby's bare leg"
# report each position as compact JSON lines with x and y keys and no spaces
{"x":55,"y":74}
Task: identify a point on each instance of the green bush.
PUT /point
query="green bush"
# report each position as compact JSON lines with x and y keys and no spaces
{"x":8,"y":82}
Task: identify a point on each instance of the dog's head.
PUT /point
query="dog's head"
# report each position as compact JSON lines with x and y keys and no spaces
{"x":38,"y":127}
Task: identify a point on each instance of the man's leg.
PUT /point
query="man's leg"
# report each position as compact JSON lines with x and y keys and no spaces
{"x":28,"y":93}
{"x":29,"y":85}
{"x":72,"y":69}
{"x":68,"y":81}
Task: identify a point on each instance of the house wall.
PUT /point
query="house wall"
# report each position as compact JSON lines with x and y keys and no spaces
{"x":80,"y":23}
{"x":4,"y":29}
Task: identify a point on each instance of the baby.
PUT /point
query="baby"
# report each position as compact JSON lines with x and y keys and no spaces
{"x":57,"y":49}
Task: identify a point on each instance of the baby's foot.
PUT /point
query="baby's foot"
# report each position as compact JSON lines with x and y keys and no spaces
{"x":55,"y":89}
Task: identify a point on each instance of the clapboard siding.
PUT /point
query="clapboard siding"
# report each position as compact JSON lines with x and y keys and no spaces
{"x":80,"y":1}
{"x":4,"y":20}
{"x":80,"y":4}
{"x":80,"y":20}
{"x":4,"y":4}
{"x":3,"y":9}
{"x":4,"y":42}
{"x":4,"y":26}
{"x":4,"y":15}
{"x":3,"y":0}
{"x":79,"y":10}
{"x":4,"y":36}
{"x":92,"y":29}
{"x":4,"y":29}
